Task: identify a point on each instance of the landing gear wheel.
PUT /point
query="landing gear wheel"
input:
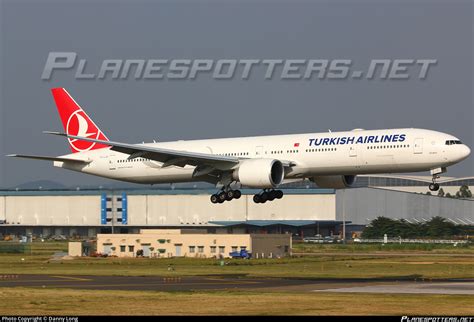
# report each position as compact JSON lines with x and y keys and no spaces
{"x":434,"y":187}
{"x":263,"y":197}
{"x":222,"y":196}
{"x":229,"y":195}
{"x":271,"y":195}
{"x":279,"y":194}
{"x":237,"y":194}
{"x":214,"y":198}
{"x":256,"y":198}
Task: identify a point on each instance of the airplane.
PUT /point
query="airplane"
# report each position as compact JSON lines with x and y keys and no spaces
{"x":330,"y":159}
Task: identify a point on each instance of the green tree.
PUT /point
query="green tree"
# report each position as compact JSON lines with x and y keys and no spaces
{"x":441,"y":193}
{"x":439,"y":227}
{"x":380,"y":226}
{"x":464,"y":192}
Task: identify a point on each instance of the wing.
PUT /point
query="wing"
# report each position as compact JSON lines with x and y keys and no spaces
{"x":46,"y":158}
{"x":167,"y":156}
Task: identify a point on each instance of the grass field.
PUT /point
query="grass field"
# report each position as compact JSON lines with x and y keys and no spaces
{"x":314,"y":267}
{"x":325,"y":261}
{"x":14,"y":301}
{"x":363,"y":248}
{"x":426,"y":264}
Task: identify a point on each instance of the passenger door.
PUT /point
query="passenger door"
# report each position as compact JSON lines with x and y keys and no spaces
{"x":418,"y":146}
{"x":259,"y":151}
{"x":112,"y":162}
{"x":354,"y":156}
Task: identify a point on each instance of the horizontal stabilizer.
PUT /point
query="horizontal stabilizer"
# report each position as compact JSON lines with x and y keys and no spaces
{"x":46,"y":158}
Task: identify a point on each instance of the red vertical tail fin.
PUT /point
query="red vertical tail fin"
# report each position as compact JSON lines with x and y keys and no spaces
{"x":77,"y":122}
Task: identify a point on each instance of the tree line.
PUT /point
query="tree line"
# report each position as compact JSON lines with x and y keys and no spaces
{"x":463,"y":193}
{"x":437,"y":227}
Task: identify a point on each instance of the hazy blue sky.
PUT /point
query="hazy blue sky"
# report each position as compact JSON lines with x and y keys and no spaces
{"x":135,"y":110}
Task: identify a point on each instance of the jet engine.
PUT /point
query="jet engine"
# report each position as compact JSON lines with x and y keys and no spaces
{"x":260,"y":173}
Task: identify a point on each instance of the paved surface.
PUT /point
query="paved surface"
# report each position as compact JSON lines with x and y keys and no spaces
{"x":409,"y":288}
{"x":155,"y":283}
{"x":142,"y":283}
{"x":147,"y":283}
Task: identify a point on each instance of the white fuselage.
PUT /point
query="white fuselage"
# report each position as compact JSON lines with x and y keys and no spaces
{"x":313,"y":154}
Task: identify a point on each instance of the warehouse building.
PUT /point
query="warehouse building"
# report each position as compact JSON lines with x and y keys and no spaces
{"x":194,"y":243}
{"x":417,"y":184}
{"x":87,"y":213}
{"x":301,"y":212}
{"x":407,"y":183}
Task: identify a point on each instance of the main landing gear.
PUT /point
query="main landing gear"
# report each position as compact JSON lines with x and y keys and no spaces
{"x":267,"y":195}
{"x":225,"y":195}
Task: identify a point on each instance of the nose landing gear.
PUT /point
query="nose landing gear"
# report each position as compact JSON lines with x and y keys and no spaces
{"x":435,"y":174}
{"x":434,"y":186}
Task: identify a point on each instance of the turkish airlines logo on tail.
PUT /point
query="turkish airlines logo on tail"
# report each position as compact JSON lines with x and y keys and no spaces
{"x":77,"y":123}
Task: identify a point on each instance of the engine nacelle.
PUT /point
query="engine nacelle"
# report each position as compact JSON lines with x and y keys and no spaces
{"x":334,"y":182}
{"x":260,"y":173}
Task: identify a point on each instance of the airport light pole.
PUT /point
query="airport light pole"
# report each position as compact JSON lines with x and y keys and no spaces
{"x":343,"y":217}
{"x":112,"y":204}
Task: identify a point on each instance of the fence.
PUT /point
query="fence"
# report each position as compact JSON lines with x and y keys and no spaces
{"x":411,"y":241}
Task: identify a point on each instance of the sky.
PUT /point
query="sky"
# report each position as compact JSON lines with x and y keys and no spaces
{"x":131,"y":110}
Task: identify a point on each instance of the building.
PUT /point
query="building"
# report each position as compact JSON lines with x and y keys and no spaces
{"x":302,"y":212}
{"x":88,"y":213}
{"x":192,"y":243}
{"x":407,"y":183}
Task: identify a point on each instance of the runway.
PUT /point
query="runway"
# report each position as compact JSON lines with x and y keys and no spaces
{"x":466,"y":288}
{"x":196,"y":283}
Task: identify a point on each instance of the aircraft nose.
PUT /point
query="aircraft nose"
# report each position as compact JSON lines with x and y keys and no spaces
{"x":466,"y":151}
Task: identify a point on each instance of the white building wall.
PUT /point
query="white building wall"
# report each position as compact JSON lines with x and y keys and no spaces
{"x":197,"y":209}
{"x":182,"y":209}
{"x":294,"y":207}
{"x":424,"y":189}
{"x":2,"y":208}
{"x":137,"y":210}
{"x":362,"y":205}
{"x":53,"y":210}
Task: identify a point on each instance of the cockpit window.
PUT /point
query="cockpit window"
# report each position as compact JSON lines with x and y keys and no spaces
{"x":452,"y":142}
